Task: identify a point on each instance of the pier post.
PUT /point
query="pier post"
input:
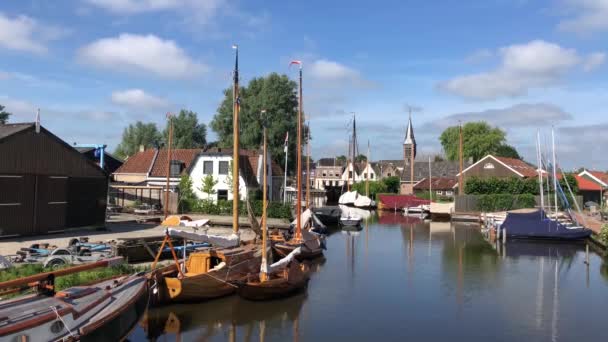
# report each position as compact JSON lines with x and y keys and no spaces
{"x":504,"y":235}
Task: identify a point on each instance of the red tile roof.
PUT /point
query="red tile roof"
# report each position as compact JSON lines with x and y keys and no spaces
{"x":520,"y":166}
{"x":600,"y":175}
{"x":585,"y":184}
{"x":138,"y":163}
{"x":184,"y":155}
{"x":438,"y":183}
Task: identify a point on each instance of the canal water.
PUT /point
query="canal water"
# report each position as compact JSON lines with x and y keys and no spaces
{"x":402,"y":279}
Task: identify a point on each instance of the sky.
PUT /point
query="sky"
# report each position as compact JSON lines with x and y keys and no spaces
{"x":95,"y":66}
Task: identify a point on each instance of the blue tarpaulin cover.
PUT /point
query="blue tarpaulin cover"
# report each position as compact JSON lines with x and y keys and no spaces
{"x":536,"y":225}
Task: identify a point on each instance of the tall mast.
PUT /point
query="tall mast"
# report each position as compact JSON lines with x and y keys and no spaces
{"x":169,"y":116}
{"x":554,"y":169}
{"x":460,"y":160}
{"x":264,"y":273}
{"x":308,"y":167}
{"x":367,"y":171}
{"x":298,"y":235}
{"x":412,"y":153}
{"x":430,"y":181}
{"x":540,"y":170}
{"x":235,"y":144}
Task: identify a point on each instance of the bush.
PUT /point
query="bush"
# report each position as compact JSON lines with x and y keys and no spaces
{"x":604,"y":234}
{"x":513,"y":185}
{"x":275,"y":209}
{"x":374,"y":188}
{"x":503,"y":202}
{"x":392,"y":184}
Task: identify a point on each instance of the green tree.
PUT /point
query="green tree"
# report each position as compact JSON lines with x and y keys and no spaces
{"x":187,"y":199}
{"x":392,"y":184}
{"x":208,"y":184}
{"x":479,"y":140}
{"x":187,"y":132}
{"x":341,"y":160}
{"x":3,"y":115}
{"x":361,"y":158}
{"x":277,"y":95}
{"x":507,"y":151}
{"x":375,"y":188}
{"x":136,"y":135}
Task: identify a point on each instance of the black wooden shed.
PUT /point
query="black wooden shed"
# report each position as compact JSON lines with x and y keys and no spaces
{"x":46,"y":185}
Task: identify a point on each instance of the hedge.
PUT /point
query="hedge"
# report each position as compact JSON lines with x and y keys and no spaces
{"x":503,"y":202}
{"x":274,"y":209}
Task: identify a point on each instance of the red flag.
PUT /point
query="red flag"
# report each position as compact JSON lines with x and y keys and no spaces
{"x":296,"y":62}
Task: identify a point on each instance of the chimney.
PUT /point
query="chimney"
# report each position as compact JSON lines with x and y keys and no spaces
{"x":142,"y":148}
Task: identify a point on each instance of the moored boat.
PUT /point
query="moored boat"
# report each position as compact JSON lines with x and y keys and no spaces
{"x":328,"y":215}
{"x":105,"y":311}
{"x":535,"y":224}
{"x":351,"y":222}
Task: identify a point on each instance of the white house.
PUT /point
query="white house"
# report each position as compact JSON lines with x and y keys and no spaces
{"x":218,"y":163}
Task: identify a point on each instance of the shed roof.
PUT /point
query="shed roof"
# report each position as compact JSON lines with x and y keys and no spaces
{"x":439,"y":183}
{"x":7,"y":130}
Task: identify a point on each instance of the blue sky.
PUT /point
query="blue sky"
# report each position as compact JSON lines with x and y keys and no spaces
{"x":94,"y":66}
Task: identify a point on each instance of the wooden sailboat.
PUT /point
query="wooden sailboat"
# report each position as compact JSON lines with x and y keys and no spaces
{"x":210,"y":273}
{"x":280,"y":279}
{"x":310,"y":243}
{"x":105,"y":311}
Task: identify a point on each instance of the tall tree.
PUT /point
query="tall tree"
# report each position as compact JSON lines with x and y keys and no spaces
{"x":507,"y":151}
{"x":136,"y":135}
{"x":275,"y":93}
{"x":479,"y":139}
{"x":3,"y":115}
{"x":341,"y":160}
{"x":187,"y":132}
{"x":361,"y":158}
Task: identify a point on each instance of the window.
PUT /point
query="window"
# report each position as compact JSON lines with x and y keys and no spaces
{"x":222,"y":195}
{"x":208,"y":167}
{"x":324,"y":175}
{"x":371,"y":176}
{"x":488,"y":166}
{"x":388,"y":174}
{"x":224,"y":168}
{"x":439,"y":192}
{"x":449,"y":193}
{"x":365,"y":175}
{"x":350,"y":174}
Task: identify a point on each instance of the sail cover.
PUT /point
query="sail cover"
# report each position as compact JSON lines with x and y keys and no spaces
{"x":536,"y":224}
{"x":305,"y":219}
{"x":364,"y":201}
{"x":348,"y":197}
{"x":279,"y":265}
{"x":215,"y":240}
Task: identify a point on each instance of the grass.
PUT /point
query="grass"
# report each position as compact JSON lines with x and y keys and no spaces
{"x":75,"y":279}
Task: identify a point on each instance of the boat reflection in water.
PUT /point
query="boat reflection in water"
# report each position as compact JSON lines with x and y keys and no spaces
{"x":231,"y":318}
{"x":400,"y":269}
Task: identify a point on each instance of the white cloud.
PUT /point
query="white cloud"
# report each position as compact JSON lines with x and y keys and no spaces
{"x":594,"y":60}
{"x":138,"y":99}
{"x":201,"y":10}
{"x":143,"y":53}
{"x":585,"y":16}
{"x":520,"y":115}
{"x":532,"y":65}
{"x":23,"y":33}
{"x":324,"y":69}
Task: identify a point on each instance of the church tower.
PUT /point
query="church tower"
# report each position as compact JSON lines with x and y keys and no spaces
{"x":409,"y":144}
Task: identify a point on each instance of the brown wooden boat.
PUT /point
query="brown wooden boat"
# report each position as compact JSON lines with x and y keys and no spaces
{"x":210,"y":274}
{"x":311,"y":243}
{"x":288,"y":281}
{"x":106,"y":311}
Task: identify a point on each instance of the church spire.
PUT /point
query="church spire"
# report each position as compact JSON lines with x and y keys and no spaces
{"x":409,"y":144}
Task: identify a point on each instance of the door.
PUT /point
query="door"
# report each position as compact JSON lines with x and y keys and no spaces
{"x":16,"y":205}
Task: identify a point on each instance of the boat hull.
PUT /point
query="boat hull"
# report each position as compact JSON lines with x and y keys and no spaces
{"x":283,"y":249}
{"x":536,"y":225}
{"x":272,"y":289}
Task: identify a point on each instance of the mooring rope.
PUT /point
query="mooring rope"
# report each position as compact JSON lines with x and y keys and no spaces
{"x":62,"y":321}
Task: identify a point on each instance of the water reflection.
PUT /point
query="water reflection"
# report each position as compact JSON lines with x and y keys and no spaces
{"x":447,"y":281}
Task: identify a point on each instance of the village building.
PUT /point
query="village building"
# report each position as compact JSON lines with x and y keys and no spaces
{"x":45,"y":184}
{"x":593,"y":186}
{"x":439,"y":186}
{"x":147,"y":170}
{"x":420,"y":168}
{"x":328,"y":173}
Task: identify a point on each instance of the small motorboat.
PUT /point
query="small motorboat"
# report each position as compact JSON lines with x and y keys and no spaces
{"x":351,"y":222}
{"x":328,"y":215}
